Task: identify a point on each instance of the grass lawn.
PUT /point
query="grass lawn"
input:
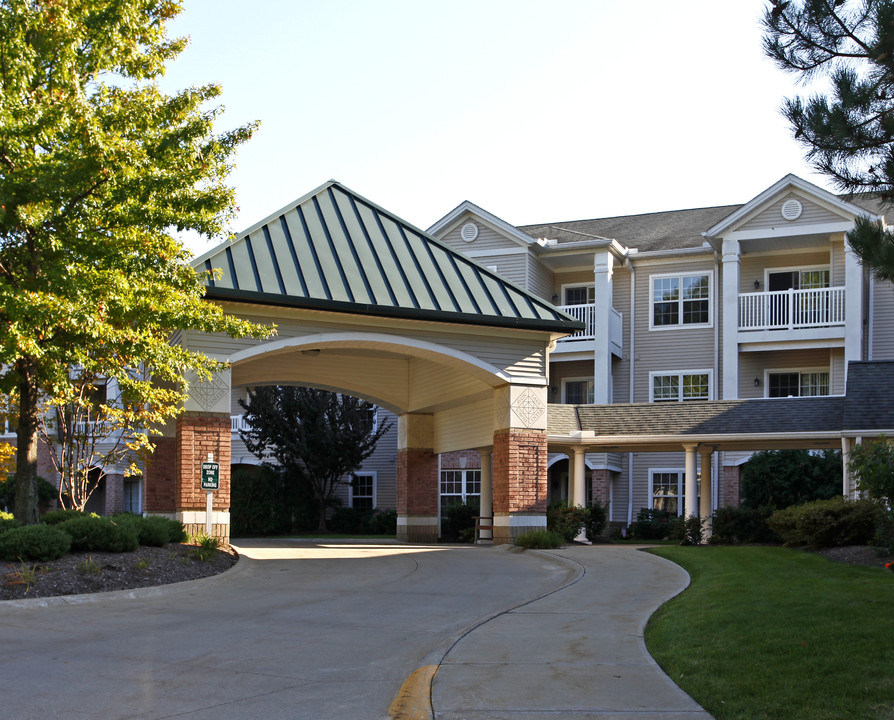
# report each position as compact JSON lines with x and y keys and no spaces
{"x":765,"y":632}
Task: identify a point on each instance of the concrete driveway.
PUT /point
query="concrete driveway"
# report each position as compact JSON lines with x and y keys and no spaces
{"x":339,"y":630}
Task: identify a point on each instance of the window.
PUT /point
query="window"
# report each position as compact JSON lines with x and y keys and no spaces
{"x":579,"y":294}
{"x":667,"y":489}
{"x":363,"y":491}
{"x":812,"y":383}
{"x":458,"y":486}
{"x":677,"y":387}
{"x":681,"y":300}
{"x":132,"y":495}
{"x":578,"y":392}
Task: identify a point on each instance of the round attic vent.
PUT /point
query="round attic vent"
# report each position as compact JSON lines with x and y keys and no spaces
{"x":791,"y":209}
{"x":469,"y":231}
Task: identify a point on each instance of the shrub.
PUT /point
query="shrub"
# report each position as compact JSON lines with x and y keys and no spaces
{"x":686,"y":530}
{"x":827,"y":523}
{"x":651,"y":524}
{"x":597,"y":517}
{"x":55,"y":517}
{"x":780,"y":478}
{"x":93,"y":533}
{"x":266,"y":501}
{"x":735,"y":526}
{"x":46,"y":493}
{"x":153,"y":530}
{"x":205,"y":548}
{"x":566,"y":521}
{"x":8,"y":522}
{"x":384,"y":522}
{"x":363,"y":522}
{"x":539,"y":540}
{"x":34,"y":542}
{"x":872,"y":464}
{"x":459,"y":517}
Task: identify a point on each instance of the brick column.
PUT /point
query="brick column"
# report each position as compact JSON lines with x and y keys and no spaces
{"x":199,"y":434}
{"x":600,"y":483}
{"x":160,"y":478}
{"x":417,"y":479}
{"x":519,"y":482}
{"x":730,"y":477}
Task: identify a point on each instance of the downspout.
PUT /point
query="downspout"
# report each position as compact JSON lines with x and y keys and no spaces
{"x":632,"y":375}
{"x":715,"y":460}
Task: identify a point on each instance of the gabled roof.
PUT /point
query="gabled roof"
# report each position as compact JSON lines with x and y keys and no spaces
{"x":334,"y":250}
{"x":789,"y":182}
{"x":470,"y":208}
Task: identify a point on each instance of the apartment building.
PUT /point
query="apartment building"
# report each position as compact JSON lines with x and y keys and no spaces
{"x":760,"y":300}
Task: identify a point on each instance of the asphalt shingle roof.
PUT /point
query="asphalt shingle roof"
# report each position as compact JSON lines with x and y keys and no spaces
{"x":870,"y":401}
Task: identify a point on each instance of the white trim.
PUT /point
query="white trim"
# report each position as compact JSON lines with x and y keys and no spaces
{"x":565,"y":286}
{"x":375,"y":486}
{"x":796,"y":268}
{"x":454,"y":216}
{"x":681,"y":482}
{"x":495,"y":253}
{"x":681,"y":325}
{"x":790,"y":231}
{"x":680,"y":374}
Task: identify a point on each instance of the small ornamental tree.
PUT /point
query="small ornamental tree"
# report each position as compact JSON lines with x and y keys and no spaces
{"x":318,"y":437}
{"x":98,"y":169}
{"x":780,"y":478}
{"x":872,"y":465}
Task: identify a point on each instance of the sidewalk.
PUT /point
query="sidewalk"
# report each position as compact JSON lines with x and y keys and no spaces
{"x":576,"y":653}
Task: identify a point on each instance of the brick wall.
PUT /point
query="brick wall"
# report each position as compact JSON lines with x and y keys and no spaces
{"x":730,"y":477}
{"x":417,"y":482}
{"x":600,"y":482}
{"x":197,"y":436}
{"x":160,"y":486}
{"x":519,"y":471}
{"x":461,"y":460}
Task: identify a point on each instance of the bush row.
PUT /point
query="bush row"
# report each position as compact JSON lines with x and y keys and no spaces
{"x":71,"y":530}
{"x":817,"y":524}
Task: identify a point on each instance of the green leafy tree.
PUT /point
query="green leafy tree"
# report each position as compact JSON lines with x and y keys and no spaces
{"x":872,"y":465}
{"x":98,"y":170}
{"x":848,"y":129}
{"x":316,"y":436}
{"x":780,"y":478}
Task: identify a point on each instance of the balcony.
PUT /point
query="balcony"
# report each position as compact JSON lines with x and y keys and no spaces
{"x":584,"y":339}
{"x":811,"y":314}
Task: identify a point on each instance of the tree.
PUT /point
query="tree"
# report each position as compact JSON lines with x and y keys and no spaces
{"x":848,"y":130}
{"x":780,"y":478}
{"x":317,"y":436}
{"x":98,"y":169}
{"x":872,"y":464}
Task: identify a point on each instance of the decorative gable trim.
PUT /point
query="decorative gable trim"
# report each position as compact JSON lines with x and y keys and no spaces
{"x":460,"y":214}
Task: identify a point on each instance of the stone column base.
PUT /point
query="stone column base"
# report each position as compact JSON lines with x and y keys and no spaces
{"x":422,"y":529}
{"x":509,"y":527}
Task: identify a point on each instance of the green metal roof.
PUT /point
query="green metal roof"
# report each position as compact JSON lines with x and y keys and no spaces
{"x":335,"y":250}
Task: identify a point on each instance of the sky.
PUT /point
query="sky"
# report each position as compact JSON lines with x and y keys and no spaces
{"x":537,"y":112}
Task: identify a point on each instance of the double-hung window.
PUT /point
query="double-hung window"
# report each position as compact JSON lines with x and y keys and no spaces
{"x":681,"y":300}
{"x":363,"y":491}
{"x":667,"y":490}
{"x":459,"y":486}
{"x":679,"y":386}
{"x":579,"y":294}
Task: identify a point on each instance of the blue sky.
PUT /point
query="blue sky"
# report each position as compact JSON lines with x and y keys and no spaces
{"x":535,"y":111}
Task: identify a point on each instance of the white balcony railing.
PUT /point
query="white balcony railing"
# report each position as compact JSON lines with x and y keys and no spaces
{"x":587,"y":315}
{"x":791,"y":309}
{"x":237,"y":423}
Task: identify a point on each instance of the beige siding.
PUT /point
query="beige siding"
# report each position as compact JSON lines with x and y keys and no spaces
{"x":511,"y":267}
{"x":488,"y":239}
{"x":882,"y":321}
{"x":753,"y":265}
{"x":560,"y":371}
{"x":669,"y":349}
{"x":772,"y":216}
{"x":578,"y":277}
{"x":464,"y":428}
{"x":541,"y":280}
{"x":752,"y":365}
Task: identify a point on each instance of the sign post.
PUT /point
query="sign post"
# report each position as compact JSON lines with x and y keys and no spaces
{"x":210,"y":482}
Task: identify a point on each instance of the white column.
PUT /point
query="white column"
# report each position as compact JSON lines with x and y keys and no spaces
{"x":853,"y":308}
{"x":706,"y":505}
{"x":730,"y":340}
{"x":486,"y":510}
{"x":691,"y":482}
{"x":603,"y":269}
{"x":578,"y":494}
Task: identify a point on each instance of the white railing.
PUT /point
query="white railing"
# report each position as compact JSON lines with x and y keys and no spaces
{"x":587,"y":315}
{"x":791,"y":309}
{"x":237,"y":423}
